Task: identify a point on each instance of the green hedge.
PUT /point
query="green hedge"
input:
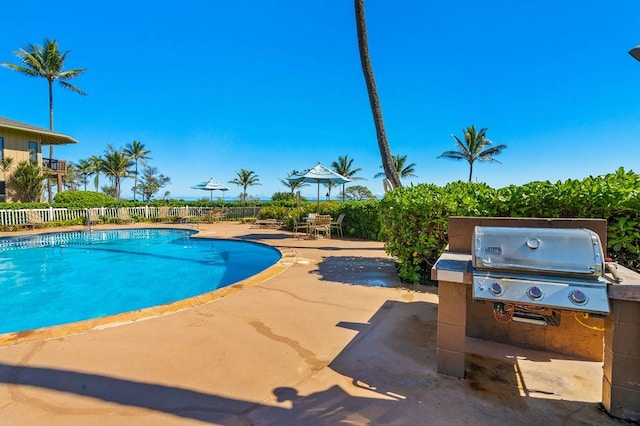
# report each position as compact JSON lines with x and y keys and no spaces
{"x":83,"y":199}
{"x":415,"y":220}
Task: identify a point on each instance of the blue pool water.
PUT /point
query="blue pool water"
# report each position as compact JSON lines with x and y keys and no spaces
{"x":53,"y":279}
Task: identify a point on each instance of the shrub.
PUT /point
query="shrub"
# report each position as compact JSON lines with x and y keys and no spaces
{"x":283,"y":196}
{"x":83,"y":199}
{"x":20,"y":206}
{"x":361,"y":220}
{"x":415,"y":220}
{"x":273,"y":212}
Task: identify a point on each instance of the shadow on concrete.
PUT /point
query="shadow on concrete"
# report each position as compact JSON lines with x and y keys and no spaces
{"x":266,"y":236}
{"x":289,"y":240}
{"x":369,"y":271}
{"x":172,"y":400}
{"x":395,"y":351}
{"x":394,"y":354}
{"x":322,"y":407}
{"x":335,"y":406}
{"x":390,"y":362}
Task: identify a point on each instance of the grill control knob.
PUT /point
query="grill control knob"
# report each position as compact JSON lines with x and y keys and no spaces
{"x":533,"y":243}
{"x":496,"y":289}
{"x":578,"y":297}
{"x":534,"y":293}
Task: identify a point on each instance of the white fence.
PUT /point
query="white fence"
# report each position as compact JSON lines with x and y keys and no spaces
{"x":26,"y":217}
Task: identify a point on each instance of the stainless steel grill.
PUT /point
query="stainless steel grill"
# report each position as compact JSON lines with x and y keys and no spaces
{"x":535,"y":268}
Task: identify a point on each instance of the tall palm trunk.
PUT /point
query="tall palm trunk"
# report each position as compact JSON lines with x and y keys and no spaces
{"x":135,"y":182}
{"x":51,"y":108}
{"x":49,"y":186}
{"x":363,"y":47}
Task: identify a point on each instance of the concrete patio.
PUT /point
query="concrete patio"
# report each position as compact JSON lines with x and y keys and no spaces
{"x":317,"y":340}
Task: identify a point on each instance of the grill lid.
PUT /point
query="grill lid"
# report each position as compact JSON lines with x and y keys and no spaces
{"x":555,"y":251}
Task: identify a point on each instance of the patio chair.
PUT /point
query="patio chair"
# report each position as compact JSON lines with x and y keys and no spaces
{"x":322,"y":225}
{"x":337,"y":224}
{"x":300,"y":226}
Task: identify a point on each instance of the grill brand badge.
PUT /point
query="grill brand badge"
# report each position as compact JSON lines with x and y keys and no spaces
{"x":493,"y":250}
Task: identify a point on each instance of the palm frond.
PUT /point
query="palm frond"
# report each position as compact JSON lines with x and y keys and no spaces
{"x":453,"y":155}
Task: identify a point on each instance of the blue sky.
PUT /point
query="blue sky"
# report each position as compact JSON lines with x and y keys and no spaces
{"x":211,"y":87}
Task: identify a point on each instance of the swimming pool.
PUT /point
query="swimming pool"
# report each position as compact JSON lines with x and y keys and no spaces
{"x":53,"y":279}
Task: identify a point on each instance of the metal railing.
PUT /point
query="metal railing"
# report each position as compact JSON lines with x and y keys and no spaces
{"x":52,"y":164}
{"x":33,"y":217}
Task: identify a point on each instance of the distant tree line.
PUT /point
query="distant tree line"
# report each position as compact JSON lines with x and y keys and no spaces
{"x":117,"y":165}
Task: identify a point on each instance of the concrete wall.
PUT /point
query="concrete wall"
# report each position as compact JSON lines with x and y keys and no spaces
{"x":621,"y":380}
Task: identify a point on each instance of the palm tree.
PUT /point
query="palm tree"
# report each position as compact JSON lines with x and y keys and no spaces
{"x":85,"y":168}
{"x":116,"y":165}
{"x":96,"y":167}
{"x":476,"y":147}
{"x":73,"y":179}
{"x":403,"y":171}
{"x":374,"y":100}
{"x":27,"y":181}
{"x":137,"y":152}
{"x":293,"y":186}
{"x":245,"y":179}
{"x":46,"y":62}
{"x":343,"y":167}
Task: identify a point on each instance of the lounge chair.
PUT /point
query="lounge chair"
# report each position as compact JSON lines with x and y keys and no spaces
{"x":269,"y":223}
{"x":337,"y":224}
{"x":185,"y":216}
{"x":163,"y":214}
{"x":124,"y":216}
{"x":33,"y":219}
{"x":93,"y":216}
{"x":214,"y":215}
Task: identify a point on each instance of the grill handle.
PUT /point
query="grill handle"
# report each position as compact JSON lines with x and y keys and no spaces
{"x":539,"y":268}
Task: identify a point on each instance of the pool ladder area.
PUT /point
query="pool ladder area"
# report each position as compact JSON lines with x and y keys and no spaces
{"x":88,"y":219}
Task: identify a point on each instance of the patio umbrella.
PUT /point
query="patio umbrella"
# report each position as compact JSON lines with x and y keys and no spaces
{"x":211,"y":185}
{"x":319,"y":174}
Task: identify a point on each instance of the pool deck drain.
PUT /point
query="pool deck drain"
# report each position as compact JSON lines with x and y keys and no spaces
{"x":294,"y":347}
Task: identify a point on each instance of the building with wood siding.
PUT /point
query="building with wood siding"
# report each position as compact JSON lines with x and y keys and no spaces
{"x":22,"y":142}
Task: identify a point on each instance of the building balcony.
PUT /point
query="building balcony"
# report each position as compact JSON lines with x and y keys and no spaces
{"x":54,"y":167}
